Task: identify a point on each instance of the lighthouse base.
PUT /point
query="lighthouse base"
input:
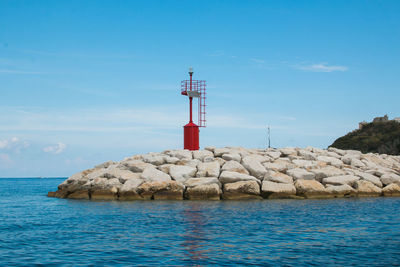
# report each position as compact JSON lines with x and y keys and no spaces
{"x":191,"y":136}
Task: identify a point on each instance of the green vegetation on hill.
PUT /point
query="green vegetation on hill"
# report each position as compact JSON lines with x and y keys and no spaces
{"x":376,"y":137}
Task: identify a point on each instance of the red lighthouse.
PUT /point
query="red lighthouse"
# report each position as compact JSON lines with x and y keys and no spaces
{"x":194,"y":89}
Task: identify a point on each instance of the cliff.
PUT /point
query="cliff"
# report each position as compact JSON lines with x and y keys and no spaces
{"x":238,"y":173}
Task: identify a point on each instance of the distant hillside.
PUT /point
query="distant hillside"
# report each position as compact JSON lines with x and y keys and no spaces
{"x":376,"y":137}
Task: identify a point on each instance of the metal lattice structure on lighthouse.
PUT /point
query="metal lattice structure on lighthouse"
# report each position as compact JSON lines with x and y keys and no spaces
{"x":194,"y":89}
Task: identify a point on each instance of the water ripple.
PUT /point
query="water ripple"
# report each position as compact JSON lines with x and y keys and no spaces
{"x":36,"y":230}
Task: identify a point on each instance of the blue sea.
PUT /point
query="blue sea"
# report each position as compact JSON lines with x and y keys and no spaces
{"x":37,"y":230}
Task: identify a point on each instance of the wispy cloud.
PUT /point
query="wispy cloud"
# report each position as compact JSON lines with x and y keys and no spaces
{"x":321,"y":67}
{"x":55,"y":149}
{"x":14,"y":144}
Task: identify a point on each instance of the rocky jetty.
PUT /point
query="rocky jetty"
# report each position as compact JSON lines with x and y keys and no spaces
{"x":234,"y":173}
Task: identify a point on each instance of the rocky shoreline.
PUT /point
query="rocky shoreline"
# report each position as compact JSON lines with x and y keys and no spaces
{"x":236,"y":173}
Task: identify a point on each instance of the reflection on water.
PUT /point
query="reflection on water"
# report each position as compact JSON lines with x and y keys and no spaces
{"x":194,"y":235}
{"x":38,"y":230}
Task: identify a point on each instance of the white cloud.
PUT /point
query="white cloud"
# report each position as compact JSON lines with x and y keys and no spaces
{"x":55,"y":149}
{"x":321,"y":67}
{"x":14,"y":143}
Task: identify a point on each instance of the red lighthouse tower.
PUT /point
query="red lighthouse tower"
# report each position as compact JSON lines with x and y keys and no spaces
{"x":194,"y":89}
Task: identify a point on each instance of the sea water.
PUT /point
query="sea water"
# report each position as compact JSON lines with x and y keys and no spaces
{"x":35,"y":229}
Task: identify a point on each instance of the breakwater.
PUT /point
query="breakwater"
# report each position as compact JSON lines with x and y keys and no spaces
{"x":234,"y":173}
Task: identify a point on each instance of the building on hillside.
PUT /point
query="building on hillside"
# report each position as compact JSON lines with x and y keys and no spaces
{"x":362,"y":124}
{"x":397,"y":119}
{"x":381,"y":119}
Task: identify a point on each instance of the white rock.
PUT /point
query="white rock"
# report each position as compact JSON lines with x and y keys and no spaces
{"x":337,"y":151}
{"x":327,"y":172}
{"x":367,"y":189}
{"x":151,"y":174}
{"x":310,"y":189}
{"x":277,"y":190}
{"x":304,"y":163}
{"x":105,"y":164}
{"x":232,"y":156}
{"x":182,"y":173}
{"x":330,"y":160}
{"x":278,"y":177}
{"x":208,"y":169}
{"x":154,"y":159}
{"x":254,"y":167}
{"x":273,"y":154}
{"x":232,"y":177}
{"x":391,"y":190}
{"x":307,"y":155}
{"x":131,"y":185}
{"x":298,"y":173}
{"x":171,"y":160}
{"x":136,"y":165}
{"x":234,"y":166}
{"x":181,"y":154}
{"x":189,"y":162}
{"x":357,"y":163}
{"x":242,"y":190}
{"x":192,"y":182}
{"x":389,"y":178}
{"x":341,"y":179}
{"x":201,"y":154}
{"x":369,"y":177}
{"x":288,"y":151}
{"x":340,"y":190}
{"x":218,"y":152}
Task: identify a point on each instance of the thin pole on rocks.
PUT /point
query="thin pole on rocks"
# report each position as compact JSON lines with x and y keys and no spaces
{"x":269,"y":137}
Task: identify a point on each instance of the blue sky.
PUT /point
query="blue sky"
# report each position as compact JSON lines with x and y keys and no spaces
{"x":82,"y":82}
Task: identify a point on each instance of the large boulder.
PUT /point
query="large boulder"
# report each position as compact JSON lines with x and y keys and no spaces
{"x":389,"y":178}
{"x":341,"y":190}
{"x":151,"y":174}
{"x":327,"y":171}
{"x":330,"y":160}
{"x":210,"y":191}
{"x":234,"y":166}
{"x":279,"y":165}
{"x":299,"y":173}
{"x":129,"y":190}
{"x":367,"y":189}
{"x":135,"y":165}
{"x":165,"y":190}
{"x":242,"y":190}
{"x":277,"y":190}
{"x":218,"y":152}
{"x":254,"y":166}
{"x":181,"y":154}
{"x":193,"y":182}
{"x":232,"y":177}
{"x":208,"y":169}
{"x":182,"y":173}
{"x":310,"y":189}
{"x":154,"y":159}
{"x":307,"y":155}
{"x":105,"y":189}
{"x":202,"y":154}
{"x":391,"y":190}
{"x":278,"y":177}
{"x":232,"y":156}
{"x":369,"y":177}
{"x":341,"y":179}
